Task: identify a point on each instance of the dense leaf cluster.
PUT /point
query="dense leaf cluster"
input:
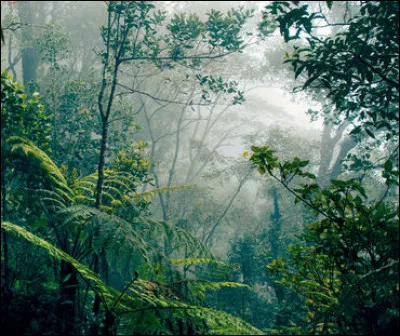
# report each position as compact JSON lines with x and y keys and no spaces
{"x":356,"y":68}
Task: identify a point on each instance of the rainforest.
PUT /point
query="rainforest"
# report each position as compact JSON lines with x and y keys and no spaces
{"x":199,"y":167}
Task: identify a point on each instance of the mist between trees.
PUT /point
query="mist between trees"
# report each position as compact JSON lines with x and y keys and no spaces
{"x":189,"y":168}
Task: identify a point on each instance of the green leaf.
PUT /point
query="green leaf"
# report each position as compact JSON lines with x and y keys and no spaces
{"x":355,"y":130}
{"x":388,"y":166}
{"x":56,"y":253}
{"x":372,"y":135}
{"x":304,"y":163}
{"x":299,"y":70}
{"x":261,"y":169}
{"x":310,"y":175}
{"x":67,"y":277}
{"x":339,"y":183}
{"x":310,"y":81}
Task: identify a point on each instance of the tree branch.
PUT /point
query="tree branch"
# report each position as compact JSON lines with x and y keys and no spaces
{"x":374,"y":70}
{"x":177,"y":58}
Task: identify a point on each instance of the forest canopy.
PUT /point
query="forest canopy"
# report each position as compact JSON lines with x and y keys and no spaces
{"x":199,"y":168}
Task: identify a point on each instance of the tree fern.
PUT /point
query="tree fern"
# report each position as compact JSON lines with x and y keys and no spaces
{"x":118,"y":235}
{"x":215,"y":322}
{"x":59,"y":195}
{"x":25,"y":151}
{"x":89,"y":276}
{"x":142,"y":296}
{"x":71,"y":203}
{"x":111,"y":228}
{"x":177,"y":236}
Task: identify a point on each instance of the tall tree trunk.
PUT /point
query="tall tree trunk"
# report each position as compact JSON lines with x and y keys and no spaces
{"x":346,"y":146}
{"x":99,"y":194}
{"x":29,"y":53}
{"x":99,"y":260}
{"x":276,"y":229}
{"x":326,"y":154}
{"x":275,"y":243}
{"x":330,"y":168}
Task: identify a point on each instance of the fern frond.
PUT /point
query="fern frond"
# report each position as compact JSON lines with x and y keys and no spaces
{"x":121,"y":181}
{"x":111,"y":228}
{"x":129,"y":236}
{"x":27,"y":151}
{"x":80,"y":186}
{"x":54,"y":204}
{"x":114,"y":189}
{"x":84,"y":199}
{"x":218,"y":322}
{"x":75,"y":214}
{"x":177,"y":236}
{"x":53,"y":195}
{"x":211,"y":269}
{"x":67,"y":197}
{"x":197,"y":261}
{"x":108,"y":195}
{"x":221,"y":323}
{"x":88,"y":275}
{"x":116,"y":184}
{"x":152,"y":194}
{"x":198,"y":288}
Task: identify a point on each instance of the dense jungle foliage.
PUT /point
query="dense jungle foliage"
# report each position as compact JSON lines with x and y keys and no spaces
{"x":151,"y":184}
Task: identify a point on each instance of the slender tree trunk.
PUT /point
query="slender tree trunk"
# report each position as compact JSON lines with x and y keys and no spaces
{"x":12,"y":61}
{"x":105,"y":114}
{"x":100,"y":167}
{"x":220,"y":218}
{"x":275,"y":243}
{"x":54,"y":107}
{"x":6,"y":294}
{"x":99,"y":194}
{"x":178,"y":144}
{"x":4,"y":212}
{"x":68,"y":304}
{"x":276,"y":229}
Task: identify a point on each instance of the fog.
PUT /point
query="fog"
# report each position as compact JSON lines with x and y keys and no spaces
{"x":139,"y":145}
